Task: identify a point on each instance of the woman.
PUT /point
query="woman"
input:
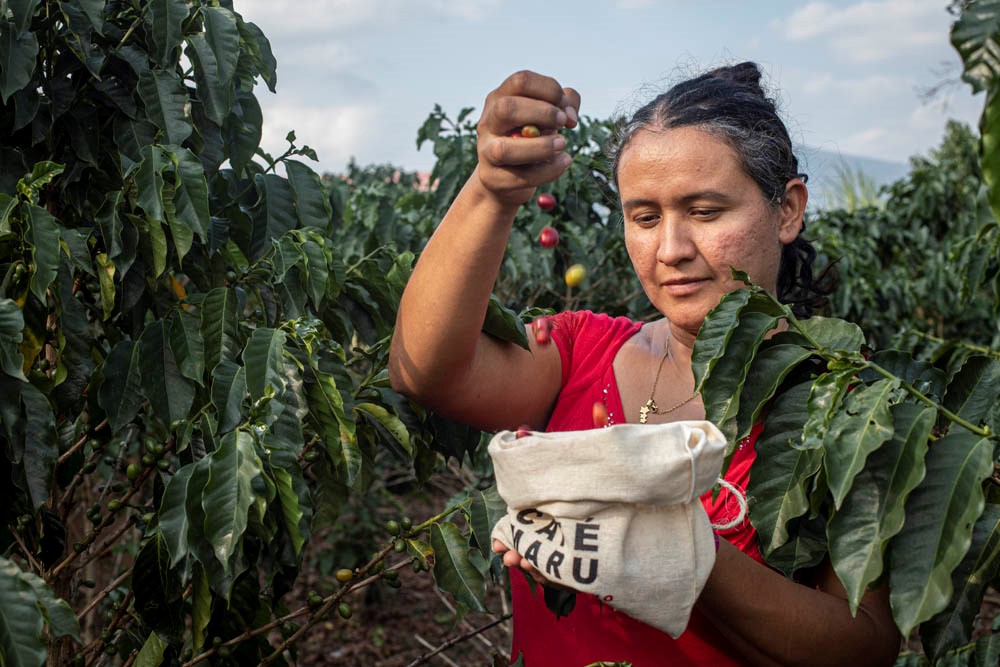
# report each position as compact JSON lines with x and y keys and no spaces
{"x":707,"y":181}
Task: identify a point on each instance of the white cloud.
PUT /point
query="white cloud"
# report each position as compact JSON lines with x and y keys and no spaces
{"x":336,"y":133}
{"x":339,"y":16}
{"x":868,"y":31}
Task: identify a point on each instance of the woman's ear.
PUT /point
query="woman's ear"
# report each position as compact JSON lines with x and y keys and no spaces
{"x":793,"y":208}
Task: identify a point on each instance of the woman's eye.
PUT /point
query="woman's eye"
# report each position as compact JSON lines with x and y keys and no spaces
{"x":705,"y":213}
{"x":645,"y":219}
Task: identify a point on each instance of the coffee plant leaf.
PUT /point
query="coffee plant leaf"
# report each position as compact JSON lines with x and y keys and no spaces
{"x":454,"y":570}
{"x":169,"y":392}
{"x":503,"y":323}
{"x":151,"y":653}
{"x":21,"y":618}
{"x":220,"y":327}
{"x":861,"y":427}
{"x":825,"y":398}
{"x":264,"y":361}
{"x":940,"y":514}
{"x":229,"y":390}
{"x":972,"y":392}
{"x":976,"y":37}
{"x":20,"y":52}
{"x":951,"y":627}
{"x":832,"y":334}
{"x":772,"y":364}
{"x":229,"y":493}
{"x":722,"y":398}
{"x":779,"y":484}
{"x":872,"y":512}
{"x":715,"y":332}
{"x":43,"y":236}
{"x":11,"y":325}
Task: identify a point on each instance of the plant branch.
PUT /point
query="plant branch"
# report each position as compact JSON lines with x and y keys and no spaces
{"x":455,"y":640}
{"x":920,"y":396}
{"x":104,"y":593}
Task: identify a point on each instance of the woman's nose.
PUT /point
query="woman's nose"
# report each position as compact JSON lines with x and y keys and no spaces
{"x":675,"y":243}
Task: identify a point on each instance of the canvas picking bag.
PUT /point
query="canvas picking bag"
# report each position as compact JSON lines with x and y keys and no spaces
{"x":615,"y":512}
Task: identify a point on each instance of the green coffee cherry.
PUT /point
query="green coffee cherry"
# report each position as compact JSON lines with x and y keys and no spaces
{"x":148,"y":460}
{"x":114,"y":505}
{"x":133,"y":471}
{"x":406,"y":523}
{"x":344,"y":610}
{"x":399,"y":546}
{"x":392,"y":527}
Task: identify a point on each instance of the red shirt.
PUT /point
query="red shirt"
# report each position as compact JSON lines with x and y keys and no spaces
{"x":594,"y":631}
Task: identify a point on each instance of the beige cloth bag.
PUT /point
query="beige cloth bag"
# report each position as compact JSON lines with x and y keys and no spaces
{"x":615,"y":512}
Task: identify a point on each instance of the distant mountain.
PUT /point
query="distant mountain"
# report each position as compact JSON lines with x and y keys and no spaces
{"x":825,"y":167}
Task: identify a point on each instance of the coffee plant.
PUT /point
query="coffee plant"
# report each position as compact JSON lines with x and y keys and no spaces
{"x":193,"y":342}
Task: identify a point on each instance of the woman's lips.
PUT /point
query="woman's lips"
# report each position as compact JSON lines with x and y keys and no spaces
{"x":683,"y":286}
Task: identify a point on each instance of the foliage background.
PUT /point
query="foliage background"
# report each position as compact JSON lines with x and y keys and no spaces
{"x":193,"y":335}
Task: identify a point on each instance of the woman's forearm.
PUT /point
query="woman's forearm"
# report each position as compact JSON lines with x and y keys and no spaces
{"x":773,"y":620}
{"x":441,"y":312}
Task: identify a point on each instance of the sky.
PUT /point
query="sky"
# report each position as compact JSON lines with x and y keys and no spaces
{"x":357,"y":78}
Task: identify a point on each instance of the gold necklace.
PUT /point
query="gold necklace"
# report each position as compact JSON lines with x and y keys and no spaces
{"x":650,"y":404}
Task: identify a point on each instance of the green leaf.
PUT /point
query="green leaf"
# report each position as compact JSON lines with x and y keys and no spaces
{"x":326,"y":408}
{"x":229,"y":388}
{"x":43,"y":237}
{"x":989,"y":148}
{"x":93,"y":10}
{"x":503,"y":323}
{"x":259,"y":48}
{"x":274,"y":211}
{"x":214,"y":92}
{"x":22,"y":11}
{"x":242,"y":130}
{"x":485,"y":510}
{"x":316,"y":265}
{"x":264,"y":358}
{"x":952,"y":627}
{"x":18,"y":53}
{"x":151,"y":653}
{"x":167,"y":18}
{"x":223,"y":36}
{"x":201,"y":605}
{"x":190,"y":194}
{"x":832,"y":333}
{"x":721,"y":390}
{"x":229,"y":494}
{"x":973,"y":391}
{"x":169,"y":393}
{"x":975,"y":37}
{"x":11,"y":326}
{"x":41,"y":446}
{"x":769,"y":368}
{"x":779,"y":479}
{"x":187,"y":345}
{"x":291,"y":510}
{"x":42,"y":173}
{"x":21,"y":618}
{"x":872,"y":512}
{"x":940,"y":514}
{"x":391,"y":422}
{"x":106,"y":279}
{"x":157,"y":588}
{"x":855,"y":432}
{"x":220,"y":326}
{"x":825,"y":398}
{"x":923,"y":376}
{"x":119,"y":394}
{"x":718,"y":327}
{"x":311,"y":200}
{"x":174,"y":522}
{"x":163,"y":94}
{"x":453,"y":569}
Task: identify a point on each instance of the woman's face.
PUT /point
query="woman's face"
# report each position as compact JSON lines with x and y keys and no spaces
{"x":691,"y":212}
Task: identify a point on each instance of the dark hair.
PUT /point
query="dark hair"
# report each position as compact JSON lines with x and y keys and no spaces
{"x":730,"y":102}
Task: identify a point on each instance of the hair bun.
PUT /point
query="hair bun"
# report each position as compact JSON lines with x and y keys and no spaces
{"x":745,"y":74}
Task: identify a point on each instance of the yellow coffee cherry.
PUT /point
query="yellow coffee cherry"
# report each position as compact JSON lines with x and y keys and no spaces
{"x":575,"y":275}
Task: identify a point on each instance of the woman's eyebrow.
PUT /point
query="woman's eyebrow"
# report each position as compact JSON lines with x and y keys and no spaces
{"x":711,"y":195}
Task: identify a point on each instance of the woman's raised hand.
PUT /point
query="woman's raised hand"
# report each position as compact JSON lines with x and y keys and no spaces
{"x":512,"y":166}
